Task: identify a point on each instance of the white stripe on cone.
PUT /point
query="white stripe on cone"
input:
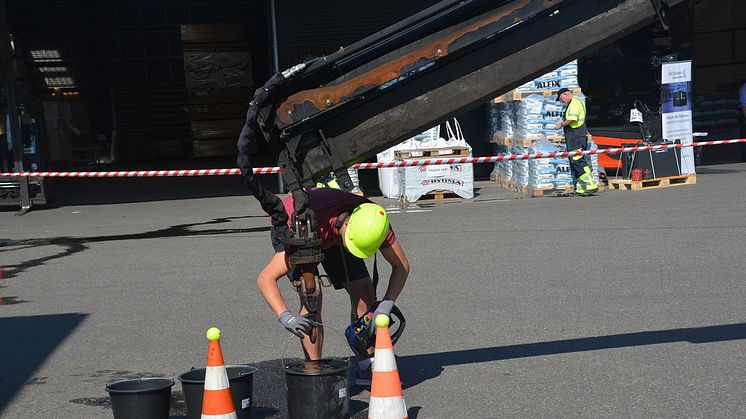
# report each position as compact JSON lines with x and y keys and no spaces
{"x":216,"y":378}
{"x":387,"y":408}
{"x":385,"y":360}
{"x":232,"y":415}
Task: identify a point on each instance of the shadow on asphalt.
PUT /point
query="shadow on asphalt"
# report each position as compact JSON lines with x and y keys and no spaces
{"x":97,"y":191}
{"x":270,"y":393}
{"x":708,"y":171}
{"x":103,"y":191}
{"x":73,"y":245}
{"x":416,"y":369}
{"x":269,"y":398}
{"x":25,"y":345}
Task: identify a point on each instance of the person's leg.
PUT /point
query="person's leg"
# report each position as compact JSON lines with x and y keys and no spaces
{"x":577,"y":163}
{"x":351,"y":274}
{"x":579,"y":169}
{"x":348,"y":272}
{"x":362,"y":295}
{"x":591,"y":184}
{"x":313,"y":350}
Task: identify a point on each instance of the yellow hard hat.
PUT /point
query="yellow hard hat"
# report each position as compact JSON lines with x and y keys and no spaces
{"x":367,"y":227}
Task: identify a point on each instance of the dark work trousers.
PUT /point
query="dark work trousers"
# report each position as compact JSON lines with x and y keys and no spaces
{"x":577,"y":138}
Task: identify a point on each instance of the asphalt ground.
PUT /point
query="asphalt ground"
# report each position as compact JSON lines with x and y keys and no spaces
{"x":626,"y":304}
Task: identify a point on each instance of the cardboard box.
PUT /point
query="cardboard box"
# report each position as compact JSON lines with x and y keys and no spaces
{"x":219,"y":147}
{"x":220,"y":96}
{"x":222,"y":128}
{"x":217,"y":70}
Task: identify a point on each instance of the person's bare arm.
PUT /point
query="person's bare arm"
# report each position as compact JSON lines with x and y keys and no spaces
{"x":267,"y":282}
{"x":564,"y":123}
{"x":399,"y":270}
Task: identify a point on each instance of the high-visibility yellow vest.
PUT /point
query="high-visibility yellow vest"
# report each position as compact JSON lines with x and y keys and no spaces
{"x":328,"y":182}
{"x":576,"y":112}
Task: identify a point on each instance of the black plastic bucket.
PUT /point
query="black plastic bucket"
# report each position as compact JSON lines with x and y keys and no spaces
{"x":240,"y":378}
{"x":318,"y":389}
{"x":143,"y":398}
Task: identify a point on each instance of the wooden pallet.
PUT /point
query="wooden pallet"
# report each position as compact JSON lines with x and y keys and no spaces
{"x":437,"y":197}
{"x":548,"y":192}
{"x":503,"y":182}
{"x":428,"y":153}
{"x":541,"y":192}
{"x":515,"y":95}
{"x":522,"y":142}
{"x":664,"y":182}
{"x":506,"y":184}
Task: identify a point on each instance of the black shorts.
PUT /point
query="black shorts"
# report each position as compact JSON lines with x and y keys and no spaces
{"x":333,"y":265}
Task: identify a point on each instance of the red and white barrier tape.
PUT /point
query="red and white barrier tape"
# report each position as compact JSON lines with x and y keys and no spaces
{"x":403,"y":163}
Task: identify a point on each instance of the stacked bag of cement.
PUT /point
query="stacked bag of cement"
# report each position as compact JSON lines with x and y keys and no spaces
{"x":507,"y":115}
{"x":536,"y":117}
{"x":493,"y":127}
{"x":520,"y":172}
{"x":593,"y":159}
{"x":541,"y":172}
{"x":504,"y":168}
{"x":565,"y":76}
{"x":562,"y":174}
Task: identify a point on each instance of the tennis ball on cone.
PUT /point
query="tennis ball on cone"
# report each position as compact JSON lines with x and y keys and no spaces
{"x":213,"y":333}
{"x":382,"y":320}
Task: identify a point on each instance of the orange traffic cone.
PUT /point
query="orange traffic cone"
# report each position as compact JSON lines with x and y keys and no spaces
{"x":216,"y":401}
{"x":386,"y":398}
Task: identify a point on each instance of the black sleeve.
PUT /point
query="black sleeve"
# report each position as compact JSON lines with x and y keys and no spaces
{"x":271,"y":204}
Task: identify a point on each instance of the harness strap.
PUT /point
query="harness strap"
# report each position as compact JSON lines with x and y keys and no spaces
{"x":341,"y":219}
{"x":338,"y":224}
{"x":375,"y":276}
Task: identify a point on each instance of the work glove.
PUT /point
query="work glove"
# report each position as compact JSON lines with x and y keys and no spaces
{"x":384,"y":307}
{"x":296,"y":325}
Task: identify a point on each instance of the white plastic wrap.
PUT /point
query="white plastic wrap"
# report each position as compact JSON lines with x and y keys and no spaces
{"x":388,"y":178}
{"x":413,"y":182}
{"x":417,"y":181}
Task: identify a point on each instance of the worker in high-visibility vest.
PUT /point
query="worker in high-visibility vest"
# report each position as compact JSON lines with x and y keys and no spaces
{"x":576,"y":138}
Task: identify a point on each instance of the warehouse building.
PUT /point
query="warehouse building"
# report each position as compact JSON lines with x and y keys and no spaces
{"x":166,"y":83}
